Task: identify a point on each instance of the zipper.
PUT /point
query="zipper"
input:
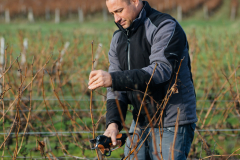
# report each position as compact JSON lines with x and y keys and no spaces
{"x":128,"y":49}
{"x":128,"y":52}
{"x":128,"y":43}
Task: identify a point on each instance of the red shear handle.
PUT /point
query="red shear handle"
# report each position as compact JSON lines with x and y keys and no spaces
{"x":101,"y":148}
{"x":122,"y":137}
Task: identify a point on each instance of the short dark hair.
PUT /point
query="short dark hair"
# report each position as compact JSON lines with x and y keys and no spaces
{"x":127,"y":1}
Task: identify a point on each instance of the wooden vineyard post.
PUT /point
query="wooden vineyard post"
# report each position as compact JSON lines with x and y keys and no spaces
{"x":205,"y":12}
{"x":7,"y":16}
{"x":25,"y":47}
{"x":233,"y":12}
{"x":179,"y":13}
{"x":80,"y":15}
{"x":1,"y":11}
{"x":69,"y":13}
{"x":62,"y":54}
{"x":30,"y":15}
{"x":23,"y":55}
{"x":47,"y":145}
{"x":47,"y":14}
{"x":105,"y":13}
{"x":57,"y":15}
{"x":2,"y":59}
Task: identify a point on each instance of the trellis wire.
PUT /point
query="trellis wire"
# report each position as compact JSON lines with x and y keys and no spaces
{"x":100,"y":132}
{"x":95,"y":110}
{"x":79,"y":100}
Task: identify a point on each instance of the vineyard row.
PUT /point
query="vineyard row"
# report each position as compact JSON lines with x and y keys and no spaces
{"x":47,"y":7}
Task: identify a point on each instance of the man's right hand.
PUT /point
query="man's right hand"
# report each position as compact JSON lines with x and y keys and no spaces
{"x":112,"y":131}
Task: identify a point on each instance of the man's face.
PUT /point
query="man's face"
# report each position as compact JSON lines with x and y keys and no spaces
{"x":124,"y":13}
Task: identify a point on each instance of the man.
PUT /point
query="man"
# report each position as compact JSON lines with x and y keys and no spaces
{"x":145,"y":38}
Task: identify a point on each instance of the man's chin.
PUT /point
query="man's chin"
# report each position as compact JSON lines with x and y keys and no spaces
{"x":125,"y":26}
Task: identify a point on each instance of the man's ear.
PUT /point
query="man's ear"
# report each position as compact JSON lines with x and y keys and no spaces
{"x":135,"y":2}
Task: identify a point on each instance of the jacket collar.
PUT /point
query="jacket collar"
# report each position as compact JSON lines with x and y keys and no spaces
{"x":138,"y":21}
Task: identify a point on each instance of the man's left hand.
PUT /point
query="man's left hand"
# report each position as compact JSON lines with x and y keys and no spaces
{"x":98,"y":79}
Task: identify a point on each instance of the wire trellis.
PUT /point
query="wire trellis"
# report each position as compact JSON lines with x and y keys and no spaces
{"x":101,"y":132}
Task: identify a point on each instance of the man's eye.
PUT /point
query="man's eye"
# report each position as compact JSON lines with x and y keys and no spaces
{"x":119,"y":11}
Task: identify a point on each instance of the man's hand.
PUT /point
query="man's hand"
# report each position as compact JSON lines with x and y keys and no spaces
{"x":98,"y":79}
{"x":112,"y":131}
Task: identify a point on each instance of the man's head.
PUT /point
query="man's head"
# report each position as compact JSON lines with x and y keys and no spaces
{"x":124,"y":11}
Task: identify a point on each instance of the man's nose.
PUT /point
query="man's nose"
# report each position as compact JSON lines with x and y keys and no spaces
{"x":117,"y":18}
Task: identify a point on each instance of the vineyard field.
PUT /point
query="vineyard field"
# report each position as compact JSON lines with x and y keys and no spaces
{"x":209,"y":50}
{"x":67,"y":9}
{"x":45,"y":100}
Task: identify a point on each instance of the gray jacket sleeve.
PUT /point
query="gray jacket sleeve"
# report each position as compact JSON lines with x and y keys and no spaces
{"x":167,"y":43}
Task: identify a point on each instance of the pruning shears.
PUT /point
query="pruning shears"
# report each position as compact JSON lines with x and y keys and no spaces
{"x":104,"y":143}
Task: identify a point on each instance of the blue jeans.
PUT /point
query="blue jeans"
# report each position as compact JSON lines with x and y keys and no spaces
{"x":182,"y":146}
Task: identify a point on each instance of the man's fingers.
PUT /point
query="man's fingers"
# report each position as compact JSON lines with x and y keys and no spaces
{"x":112,"y":132}
{"x":92,"y":80}
{"x":113,"y":138}
{"x":97,"y":83}
{"x":92,"y":74}
{"x":94,"y":86}
{"x":93,"y":77}
{"x":98,"y":79}
{"x":107,"y":133}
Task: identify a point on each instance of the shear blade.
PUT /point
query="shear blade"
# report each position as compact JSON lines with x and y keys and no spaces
{"x":94,"y":148}
{"x":93,"y":141}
